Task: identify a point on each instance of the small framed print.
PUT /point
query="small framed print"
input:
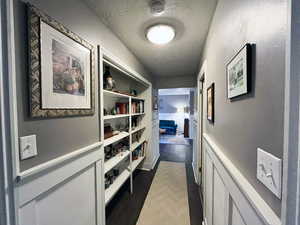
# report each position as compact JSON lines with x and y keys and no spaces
{"x":61,"y":69}
{"x":239,"y":73}
{"x":211,"y":103}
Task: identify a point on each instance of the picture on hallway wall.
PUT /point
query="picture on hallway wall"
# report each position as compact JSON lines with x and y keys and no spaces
{"x":211,"y":103}
{"x":239,"y":74}
{"x":61,"y":69}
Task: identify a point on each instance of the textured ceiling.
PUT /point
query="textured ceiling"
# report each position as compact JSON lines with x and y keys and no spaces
{"x":129,"y":19}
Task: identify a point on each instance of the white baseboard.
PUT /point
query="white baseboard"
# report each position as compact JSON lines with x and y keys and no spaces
{"x":195,"y":174}
{"x":150,"y":166}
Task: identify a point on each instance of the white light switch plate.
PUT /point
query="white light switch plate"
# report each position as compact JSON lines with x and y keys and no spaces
{"x":269,"y":171}
{"x":28,"y":147}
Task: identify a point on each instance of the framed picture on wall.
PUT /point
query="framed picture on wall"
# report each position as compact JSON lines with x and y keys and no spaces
{"x":239,"y":73}
{"x":211,"y":103}
{"x":61,"y":69}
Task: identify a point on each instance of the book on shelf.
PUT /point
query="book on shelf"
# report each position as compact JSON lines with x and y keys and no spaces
{"x":140,"y":151}
{"x":137,"y":107}
{"x":122,"y":108}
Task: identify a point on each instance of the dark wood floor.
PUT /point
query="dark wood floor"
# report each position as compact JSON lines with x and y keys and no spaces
{"x":125,"y":208}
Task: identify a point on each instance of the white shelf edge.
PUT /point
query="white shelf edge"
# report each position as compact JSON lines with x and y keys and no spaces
{"x":113,"y":188}
{"x":109,"y":117}
{"x":137,"y":98}
{"x":138,"y":129}
{"x":136,"y":144}
{"x":115,"y":94}
{"x":115,"y":138}
{"x":137,"y":114}
{"x":137,"y":162}
{"x":111,"y":163}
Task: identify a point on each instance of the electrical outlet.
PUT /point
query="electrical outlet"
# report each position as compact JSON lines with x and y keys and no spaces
{"x":269,"y":171}
{"x":28,"y":147}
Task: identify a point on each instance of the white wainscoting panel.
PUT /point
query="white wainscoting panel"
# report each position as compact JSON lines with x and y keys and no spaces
{"x":69,"y":194}
{"x":229,"y":199}
{"x":209,"y":176}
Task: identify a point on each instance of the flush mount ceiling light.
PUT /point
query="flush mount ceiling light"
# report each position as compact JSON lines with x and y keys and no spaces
{"x":160,"y":34}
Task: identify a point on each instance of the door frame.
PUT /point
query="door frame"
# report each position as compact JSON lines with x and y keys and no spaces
{"x":8,"y":115}
{"x":290,"y":212}
{"x":200,"y":107}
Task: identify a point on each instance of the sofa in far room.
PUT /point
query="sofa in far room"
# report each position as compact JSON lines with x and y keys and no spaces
{"x":169,"y":126}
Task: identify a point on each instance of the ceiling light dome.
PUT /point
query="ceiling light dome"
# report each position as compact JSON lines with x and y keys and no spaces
{"x":160,"y":34}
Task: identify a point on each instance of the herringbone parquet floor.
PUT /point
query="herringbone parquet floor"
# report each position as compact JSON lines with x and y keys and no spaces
{"x":167,"y":200}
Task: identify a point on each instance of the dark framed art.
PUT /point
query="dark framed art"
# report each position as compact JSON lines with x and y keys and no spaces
{"x":238,"y":72}
{"x":61,"y":69}
{"x":211,"y":103}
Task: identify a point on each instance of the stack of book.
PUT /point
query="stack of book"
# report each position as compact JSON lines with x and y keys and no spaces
{"x":139,"y":151}
{"x":122,"y":108}
{"x":137,"y":107}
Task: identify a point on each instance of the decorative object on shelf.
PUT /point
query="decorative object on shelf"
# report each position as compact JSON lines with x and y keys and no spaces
{"x":133,"y":92}
{"x":105,"y":113}
{"x":109,"y":83}
{"x":113,"y":111}
{"x":61,"y":64}
{"x":137,"y":136}
{"x":122,"y":126}
{"x":107,"y":181}
{"x":112,"y":150}
{"x":116,"y":172}
{"x":211,"y":103}
{"x":108,"y":131}
{"x":239,"y":73}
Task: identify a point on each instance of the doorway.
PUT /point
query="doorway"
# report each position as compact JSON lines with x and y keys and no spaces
{"x":174,"y":115}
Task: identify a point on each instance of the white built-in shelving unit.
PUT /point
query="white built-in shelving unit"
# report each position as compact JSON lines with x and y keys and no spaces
{"x":125,"y":81}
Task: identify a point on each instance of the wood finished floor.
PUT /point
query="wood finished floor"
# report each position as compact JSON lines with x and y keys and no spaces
{"x":125,"y":208}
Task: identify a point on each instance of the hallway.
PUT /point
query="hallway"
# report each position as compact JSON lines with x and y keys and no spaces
{"x":125,"y":208}
{"x":149,"y":112}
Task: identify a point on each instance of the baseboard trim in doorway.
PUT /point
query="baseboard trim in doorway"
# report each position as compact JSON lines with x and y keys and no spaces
{"x":150,"y":166}
{"x":195,"y":174}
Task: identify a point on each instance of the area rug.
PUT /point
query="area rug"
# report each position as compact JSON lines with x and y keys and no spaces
{"x":167,"y":200}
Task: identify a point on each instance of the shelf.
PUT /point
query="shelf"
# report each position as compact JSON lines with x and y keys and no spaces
{"x":109,"y":117}
{"x":113,"y":188}
{"x":115,"y":138}
{"x":138,"y":129}
{"x":114,"y":94}
{"x":136,"y":98}
{"x":137,"y":114}
{"x":136,"y":144}
{"x":137,"y":162}
{"x":111,"y":163}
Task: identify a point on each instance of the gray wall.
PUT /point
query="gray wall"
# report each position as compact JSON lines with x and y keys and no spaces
{"x":56,"y":137}
{"x":169,"y":103}
{"x":255,"y":120}
{"x":175,"y":82}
